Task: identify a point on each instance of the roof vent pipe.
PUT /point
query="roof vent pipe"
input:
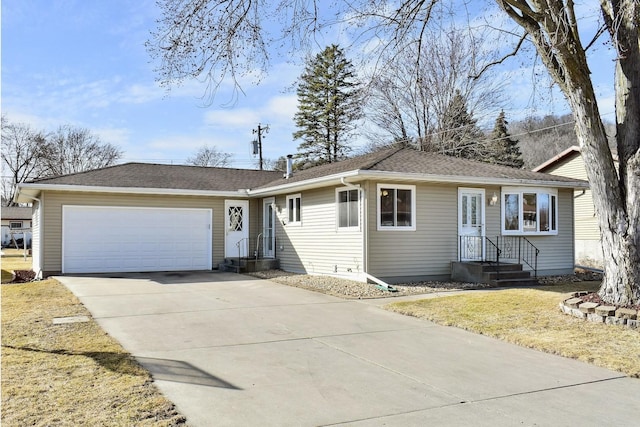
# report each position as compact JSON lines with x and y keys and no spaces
{"x":289,"y":166}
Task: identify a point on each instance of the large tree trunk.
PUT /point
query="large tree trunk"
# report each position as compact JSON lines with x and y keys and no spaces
{"x":621,"y":240}
{"x":553,"y":29}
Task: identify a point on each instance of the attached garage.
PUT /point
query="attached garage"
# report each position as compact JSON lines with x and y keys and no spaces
{"x":105,"y":239}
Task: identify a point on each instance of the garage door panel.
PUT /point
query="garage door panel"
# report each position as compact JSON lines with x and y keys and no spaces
{"x":107,"y":239}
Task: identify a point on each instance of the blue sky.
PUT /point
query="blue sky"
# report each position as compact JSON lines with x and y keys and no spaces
{"x":84,"y":63}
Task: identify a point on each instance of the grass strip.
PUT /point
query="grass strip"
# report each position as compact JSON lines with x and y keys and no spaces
{"x":531,"y":318}
{"x":69,"y":374}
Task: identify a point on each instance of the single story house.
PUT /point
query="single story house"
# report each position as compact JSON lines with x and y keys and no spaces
{"x":398,"y":215}
{"x":16,"y":222}
{"x":569,"y":163}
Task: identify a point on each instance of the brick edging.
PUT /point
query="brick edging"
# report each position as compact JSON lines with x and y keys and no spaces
{"x":599,"y":313}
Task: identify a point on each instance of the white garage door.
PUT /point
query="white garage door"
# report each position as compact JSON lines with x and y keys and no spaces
{"x":97,"y":239}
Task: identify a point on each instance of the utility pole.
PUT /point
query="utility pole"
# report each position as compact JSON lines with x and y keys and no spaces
{"x":257,"y":143}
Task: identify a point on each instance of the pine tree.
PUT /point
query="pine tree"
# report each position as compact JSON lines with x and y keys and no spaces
{"x":502,"y":149}
{"x":329,"y":104}
{"x":460,"y":135}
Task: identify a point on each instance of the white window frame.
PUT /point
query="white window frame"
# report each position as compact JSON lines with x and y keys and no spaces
{"x":520,"y":192}
{"x":411,"y":227}
{"x":292,"y":214}
{"x":16,"y":225}
{"x":348,"y":227}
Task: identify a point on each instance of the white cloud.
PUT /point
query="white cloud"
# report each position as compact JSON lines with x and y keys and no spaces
{"x":281,"y":108}
{"x":115,"y":136}
{"x":232,"y":118}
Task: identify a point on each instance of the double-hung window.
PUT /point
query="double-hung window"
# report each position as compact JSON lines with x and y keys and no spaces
{"x":294,"y":205}
{"x":347,"y":201}
{"x":529,"y":211}
{"x":396,"y":207}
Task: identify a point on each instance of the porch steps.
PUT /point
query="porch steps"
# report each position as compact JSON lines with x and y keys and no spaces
{"x":248,"y":265}
{"x":480,"y":272}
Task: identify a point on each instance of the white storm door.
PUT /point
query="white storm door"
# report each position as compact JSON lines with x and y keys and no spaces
{"x":471,"y":231}
{"x":268,"y":228}
{"x":236,"y":241}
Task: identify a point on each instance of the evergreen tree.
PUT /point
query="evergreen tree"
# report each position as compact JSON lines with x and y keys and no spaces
{"x":459,"y":134}
{"x":502,"y":149}
{"x":329,"y":104}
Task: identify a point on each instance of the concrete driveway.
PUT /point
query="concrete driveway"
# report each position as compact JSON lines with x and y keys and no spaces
{"x":228,"y":349}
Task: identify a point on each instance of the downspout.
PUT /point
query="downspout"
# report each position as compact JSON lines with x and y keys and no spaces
{"x":40,"y":229}
{"x":365,"y":241}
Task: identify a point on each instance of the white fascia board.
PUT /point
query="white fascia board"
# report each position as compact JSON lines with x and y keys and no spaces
{"x":469,"y":180}
{"x":35,"y":189}
{"x":304,"y":185}
{"x":413,"y":177}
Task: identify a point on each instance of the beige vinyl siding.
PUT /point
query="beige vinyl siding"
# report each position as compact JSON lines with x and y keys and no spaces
{"x":52,"y":238}
{"x":424,"y":253}
{"x":255,"y":221}
{"x":317,"y":245}
{"x":556,"y":251}
{"x":573,"y":167}
{"x":586,"y":223}
{"x":493,"y":224}
{"x":427,"y":252}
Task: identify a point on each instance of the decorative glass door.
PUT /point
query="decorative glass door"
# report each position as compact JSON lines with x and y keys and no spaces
{"x":471,"y":224}
{"x":268,"y":228}
{"x":236,"y":228}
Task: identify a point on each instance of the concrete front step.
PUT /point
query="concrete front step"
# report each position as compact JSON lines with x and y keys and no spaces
{"x":479,"y":272}
{"x":503,"y":267}
{"x":249,"y":265}
{"x":229,"y":267}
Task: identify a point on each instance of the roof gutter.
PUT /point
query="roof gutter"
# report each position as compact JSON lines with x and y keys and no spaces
{"x":304,"y":184}
{"x":456,"y":179}
{"x":32,"y":190}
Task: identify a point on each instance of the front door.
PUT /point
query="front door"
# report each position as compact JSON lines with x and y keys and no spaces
{"x":268,"y":228}
{"x":236,"y":228}
{"x":471,"y":230}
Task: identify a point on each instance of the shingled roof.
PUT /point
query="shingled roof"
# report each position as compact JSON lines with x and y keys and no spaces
{"x":159,"y":176}
{"x":412,"y":162}
{"x":392,"y":163}
{"x":15,"y":212}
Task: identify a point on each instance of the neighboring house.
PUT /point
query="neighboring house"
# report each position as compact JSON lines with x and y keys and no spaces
{"x":396,"y":214}
{"x":570,"y":164}
{"x":16,"y":221}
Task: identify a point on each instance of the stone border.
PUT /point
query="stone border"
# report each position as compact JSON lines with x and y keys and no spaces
{"x":599,"y":313}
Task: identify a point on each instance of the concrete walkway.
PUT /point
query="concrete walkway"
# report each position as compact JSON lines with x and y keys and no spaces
{"x":232,"y":350}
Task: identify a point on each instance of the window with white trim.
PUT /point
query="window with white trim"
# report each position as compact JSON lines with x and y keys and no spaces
{"x":15,"y":224}
{"x":348,"y":208}
{"x":294,"y":205}
{"x":396,"y":207}
{"x":529,"y":211}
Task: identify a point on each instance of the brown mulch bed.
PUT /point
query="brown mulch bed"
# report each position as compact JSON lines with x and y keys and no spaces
{"x":594,"y":297}
{"x":591,"y":276}
{"x":23,"y":276}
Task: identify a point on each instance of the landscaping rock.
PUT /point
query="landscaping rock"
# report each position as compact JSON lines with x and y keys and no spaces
{"x":588,"y":307}
{"x":627,"y":313}
{"x":573,"y":302}
{"x":595,"y":318}
{"x":606,"y":310}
